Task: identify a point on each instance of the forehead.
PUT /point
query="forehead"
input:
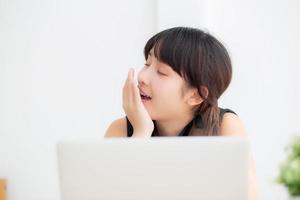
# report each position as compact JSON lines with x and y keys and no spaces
{"x":174,"y":75}
{"x":161,"y":64}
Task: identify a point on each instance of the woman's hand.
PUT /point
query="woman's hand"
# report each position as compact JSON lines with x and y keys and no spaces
{"x":135,"y":109}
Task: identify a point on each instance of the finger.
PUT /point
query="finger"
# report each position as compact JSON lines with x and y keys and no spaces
{"x":131,"y":84}
{"x":126,"y":89}
{"x":125,"y":86}
{"x":130,"y":89}
{"x":135,"y":91}
{"x":128,"y":78}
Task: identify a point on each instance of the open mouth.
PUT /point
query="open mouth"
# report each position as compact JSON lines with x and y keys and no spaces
{"x":145,"y":97}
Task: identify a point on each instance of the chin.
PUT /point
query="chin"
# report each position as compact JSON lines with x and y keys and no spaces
{"x":153,"y":116}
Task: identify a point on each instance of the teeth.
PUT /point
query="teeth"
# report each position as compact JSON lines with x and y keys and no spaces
{"x":145,"y":95}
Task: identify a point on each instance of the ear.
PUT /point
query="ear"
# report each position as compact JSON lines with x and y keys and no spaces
{"x":194,"y":97}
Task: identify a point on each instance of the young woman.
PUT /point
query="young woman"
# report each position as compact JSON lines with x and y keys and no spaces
{"x":177,"y":91}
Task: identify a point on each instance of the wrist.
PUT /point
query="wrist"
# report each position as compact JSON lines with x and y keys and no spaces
{"x":143,"y":133}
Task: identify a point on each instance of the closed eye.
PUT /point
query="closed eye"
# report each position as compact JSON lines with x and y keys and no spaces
{"x":161,"y":73}
{"x":148,"y":65}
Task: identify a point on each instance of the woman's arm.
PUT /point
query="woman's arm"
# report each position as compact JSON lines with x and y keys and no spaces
{"x":232,"y":126}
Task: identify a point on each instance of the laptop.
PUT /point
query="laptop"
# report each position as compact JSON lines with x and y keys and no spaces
{"x":158,"y":168}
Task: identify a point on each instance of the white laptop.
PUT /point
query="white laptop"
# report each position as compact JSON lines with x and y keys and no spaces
{"x":158,"y":168}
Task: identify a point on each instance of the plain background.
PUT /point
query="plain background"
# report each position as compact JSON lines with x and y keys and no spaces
{"x":63,"y":64}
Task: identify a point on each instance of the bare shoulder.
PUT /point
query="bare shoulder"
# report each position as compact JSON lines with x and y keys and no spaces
{"x":118,"y":128}
{"x":232,"y":126}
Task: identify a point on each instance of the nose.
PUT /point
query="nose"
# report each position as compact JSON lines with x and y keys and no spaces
{"x":144,"y":76}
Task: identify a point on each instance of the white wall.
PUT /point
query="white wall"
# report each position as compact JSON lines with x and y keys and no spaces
{"x":263,"y":40}
{"x":63,"y":63}
{"x":62,"y":67}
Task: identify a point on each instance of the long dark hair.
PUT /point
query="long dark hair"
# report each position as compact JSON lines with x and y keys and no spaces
{"x":202,"y":61}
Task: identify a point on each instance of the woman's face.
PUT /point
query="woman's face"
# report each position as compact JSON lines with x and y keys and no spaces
{"x":165,"y":87}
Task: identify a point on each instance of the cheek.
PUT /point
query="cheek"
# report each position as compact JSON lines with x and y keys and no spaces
{"x":168,"y":101}
{"x":169,"y":94}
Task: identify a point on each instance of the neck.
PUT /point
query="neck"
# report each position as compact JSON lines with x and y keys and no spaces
{"x":172,"y":127}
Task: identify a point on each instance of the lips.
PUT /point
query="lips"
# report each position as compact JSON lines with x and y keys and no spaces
{"x":144,"y":95}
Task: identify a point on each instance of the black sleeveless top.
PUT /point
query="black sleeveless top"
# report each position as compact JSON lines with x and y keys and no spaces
{"x":186,"y":130}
